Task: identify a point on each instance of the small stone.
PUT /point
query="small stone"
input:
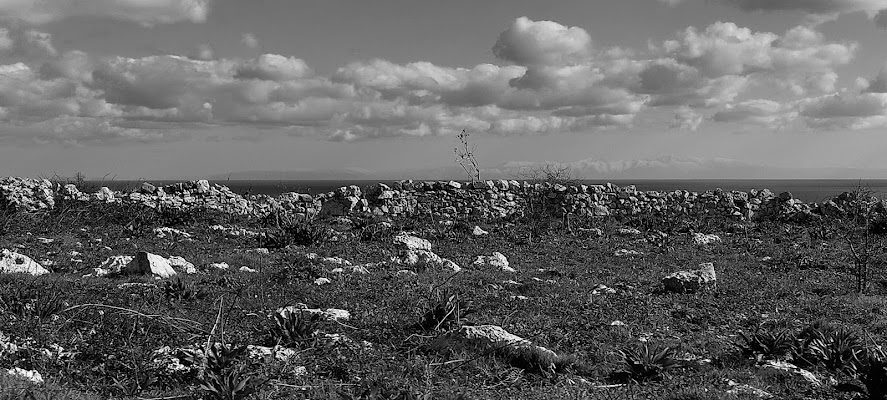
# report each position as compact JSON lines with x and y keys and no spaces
{"x":247,"y":269}
{"x":31,"y":376}
{"x":410,"y":242}
{"x":478,"y":231}
{"x":220,"y":266}
{"x":497,"y":260}
{"x":322,"y":281}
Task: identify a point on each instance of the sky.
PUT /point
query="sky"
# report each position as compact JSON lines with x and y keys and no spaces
{"x":166,"y":89}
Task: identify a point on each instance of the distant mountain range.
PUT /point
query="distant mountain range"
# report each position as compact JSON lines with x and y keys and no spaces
{"x":659,"y":168}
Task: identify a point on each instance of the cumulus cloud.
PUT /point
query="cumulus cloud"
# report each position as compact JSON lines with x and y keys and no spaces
{"x":552,"y":81}
{"x":528,"y":42}
{"x":203,"y":52}
{"x":760,"y":112}
{"x":879,"y":83}
{"x":274,"y":67}
{"x":250,"y":40}
{"x":816,"y":11}
{"x":687,"y":119}
{"x":147,"y":12}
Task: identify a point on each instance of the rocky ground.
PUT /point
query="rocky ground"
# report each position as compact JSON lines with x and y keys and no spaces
{"x":105,"y":300}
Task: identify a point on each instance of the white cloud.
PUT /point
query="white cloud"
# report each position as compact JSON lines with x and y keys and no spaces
{"x":817,"y":11}
{"x":250,"y":40}
{"x":761,"y":112}
{"x":687,"y":119}
{"x":845,"y":110}
{"x":528,"y":42}
{"x":274,"y":67}
{"x":879,"y":83}
{"x":203,"y":52}
{"x":147,"y":12}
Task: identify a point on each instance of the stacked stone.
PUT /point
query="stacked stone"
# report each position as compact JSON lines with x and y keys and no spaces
{"x":345,"y":200}
{"x":26,"y":194}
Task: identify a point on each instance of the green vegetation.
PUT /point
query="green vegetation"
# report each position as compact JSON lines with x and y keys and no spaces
{"x":787,"y":294}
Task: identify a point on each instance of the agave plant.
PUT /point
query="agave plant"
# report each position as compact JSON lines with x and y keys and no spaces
{"x":646,"y":363}
{"x":873,"y":373}
{"x":177,"y":289}
{"x":293,"y":328}
{"x":230,"y":385}
{"x":762,"y":344}
{"x":448,"y":310}
{"x":838,"y":350}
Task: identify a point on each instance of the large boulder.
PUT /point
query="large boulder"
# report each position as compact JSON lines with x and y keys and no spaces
{"x":146,"y":263}
{"x":15,"y":263}
{"x":691,"y":281}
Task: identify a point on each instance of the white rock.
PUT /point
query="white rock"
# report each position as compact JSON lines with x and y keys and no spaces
{"x":163,"y":232}
{"x":409,"y":242}
{"x":405,"y":273}
{"x":628,"y":232}
{"x":181,"y":263}
{"x":147,"y":263}
{"x":280,"y":353}
{"x":627,"y":252}
{"x":771,"y":367}
{"x":220,"y":266}
{"x":491,"y":339}
{"x":15,"y":263}
{"x":330,"y":314}
{"x":478,"y":231}
{"x":497,"y":260}
{"x":617,"y":323}
{"x":115,"y":264}
{"x":322,"y":281}
{"x":27,"y":375}
{"x":701,"y":239}
{"x":746,"y":390}
{"x":247,"y":269}
{"x":691,"y":281}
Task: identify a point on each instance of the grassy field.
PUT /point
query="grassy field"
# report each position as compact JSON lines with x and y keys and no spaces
{"x":98,"y":337}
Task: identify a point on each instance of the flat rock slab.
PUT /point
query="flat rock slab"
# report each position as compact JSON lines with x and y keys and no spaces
{"x":15,"y":263}
{"x":496,"y":341}
{"x":409,"y":242}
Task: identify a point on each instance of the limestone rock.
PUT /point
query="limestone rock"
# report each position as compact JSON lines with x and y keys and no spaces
{"x":15,"y":263}
{"x":424,"y":259}
{"x":146,"y":263}
{"x":329,"y":314}
{"x":113,"y":265}
{"x":701,"y":239}
{"x":478,"y":231}
{"x":31,"y":376}
{"x":771,"y":367}
{"x":409,"y":242}
{"x":628,"y":232}
{"x":497,"y":260}
{"x":691,"y":281}
{"x":494,"y":340}
{"x":183,"y":264}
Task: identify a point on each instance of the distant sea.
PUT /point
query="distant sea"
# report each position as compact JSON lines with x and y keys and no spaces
{"x":809,"y":190}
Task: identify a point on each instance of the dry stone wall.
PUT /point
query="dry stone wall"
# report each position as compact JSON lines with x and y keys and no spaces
{"x":444,"y":200}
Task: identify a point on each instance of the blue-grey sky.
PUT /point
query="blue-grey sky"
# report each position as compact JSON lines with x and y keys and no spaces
{"x":184,"y":88}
